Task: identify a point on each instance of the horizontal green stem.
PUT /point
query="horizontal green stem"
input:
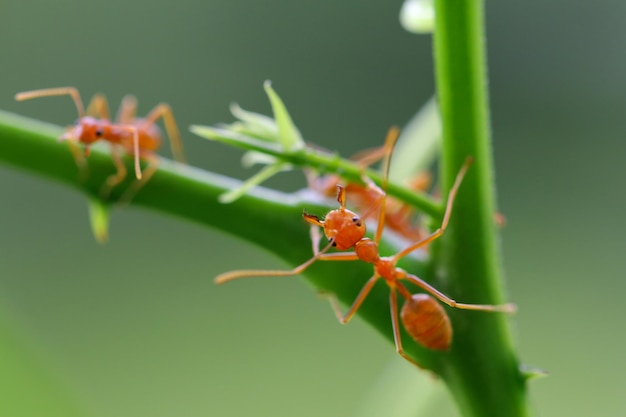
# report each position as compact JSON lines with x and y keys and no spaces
{"x":270,"y":219}
{"x":323,"y":162}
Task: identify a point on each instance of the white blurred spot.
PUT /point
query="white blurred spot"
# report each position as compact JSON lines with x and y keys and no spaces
{"x":418,"y":16}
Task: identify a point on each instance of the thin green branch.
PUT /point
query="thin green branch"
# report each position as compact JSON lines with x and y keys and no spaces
{"x":322,"y":162}
{"x":269,"y":219}
{"x":483,"y":370}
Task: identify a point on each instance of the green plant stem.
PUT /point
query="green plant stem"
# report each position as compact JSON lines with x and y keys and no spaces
{"x":468,"y":258}
{"x":269,"y":219}
{"x":322,"y":162}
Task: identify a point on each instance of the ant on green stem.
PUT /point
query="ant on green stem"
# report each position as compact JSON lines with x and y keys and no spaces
{"x":422,"y":316}
{"x":139,"y":137}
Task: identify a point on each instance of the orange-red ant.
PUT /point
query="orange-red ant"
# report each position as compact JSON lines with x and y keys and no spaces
{"x":423,"y":318}
{"x":399,"y":217}
{"x":138,"y":137}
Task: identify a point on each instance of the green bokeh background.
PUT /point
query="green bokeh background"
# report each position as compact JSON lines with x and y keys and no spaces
{"x":137,"y":328}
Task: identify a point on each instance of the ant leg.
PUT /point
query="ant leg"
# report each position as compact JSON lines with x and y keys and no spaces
{"x":135,"y":150}
{"x":49,"y":92}
{"x":163,"y":111}
{"x":127,"y":111}
{"x":446,"y":217}
{"x":79,"y":158}
{"x":316,"y":237}
{"x":229,"y":276}
{"x":116,"y":178}
{"x":393,"y":305}
{"x":368,"y":157}
{"x":381,"y":200}
{"x":345,"y":318}
{"x":153,"y":166}
{"x":339,"y":256}
{"x":99,"y":107}
{"x":502,"y":308}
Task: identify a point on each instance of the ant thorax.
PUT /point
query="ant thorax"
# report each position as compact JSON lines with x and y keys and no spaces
{"x":367,"y":251}
{"x":386,"y":268}
{"x":344,"y":227}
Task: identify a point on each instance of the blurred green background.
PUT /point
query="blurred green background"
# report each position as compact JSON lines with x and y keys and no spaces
{"x":137,"y":328}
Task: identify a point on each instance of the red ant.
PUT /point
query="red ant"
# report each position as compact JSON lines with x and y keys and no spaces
{"x":138,"y":137}
{"x":398,"y":216}
{"x":423,"y":318}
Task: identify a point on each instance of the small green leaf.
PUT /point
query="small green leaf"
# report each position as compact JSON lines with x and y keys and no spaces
{"x":254,"y":124}
{"x":99,"y":219}
{"x":258,"y":178}
{"x":236,"y":139}
{"x":289,"y":134}
{"x":252,"y":158}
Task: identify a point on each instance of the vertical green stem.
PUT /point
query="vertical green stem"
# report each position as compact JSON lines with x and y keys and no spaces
{"x":482,"y":371}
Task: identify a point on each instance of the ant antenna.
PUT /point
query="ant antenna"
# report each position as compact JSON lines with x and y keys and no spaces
{"x":390,"y":142}
{"x":49,"y":92}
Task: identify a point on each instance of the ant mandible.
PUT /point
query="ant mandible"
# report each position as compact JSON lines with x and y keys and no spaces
{"x":423,"y":318}
{"x":139,"y":137}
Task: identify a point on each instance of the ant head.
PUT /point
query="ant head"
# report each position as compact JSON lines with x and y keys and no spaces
{"x":341,"y":226}
{"x":87,"y":130}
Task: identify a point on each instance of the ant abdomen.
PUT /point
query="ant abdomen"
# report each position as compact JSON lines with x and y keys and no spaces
{"x":426,"y":322}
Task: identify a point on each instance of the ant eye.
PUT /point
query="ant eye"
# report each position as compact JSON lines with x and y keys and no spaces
{"x":356,"y":221}
{"x":332,"y":241}
{"x":99,"y":132}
